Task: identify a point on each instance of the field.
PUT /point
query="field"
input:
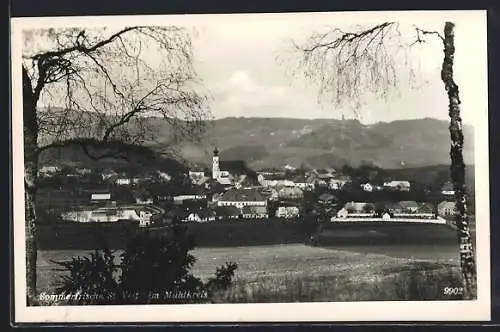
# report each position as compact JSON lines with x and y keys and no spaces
{"x":296,"y":272}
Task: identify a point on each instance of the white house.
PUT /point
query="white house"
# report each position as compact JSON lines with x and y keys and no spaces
{"x":398,"y":185}
{"x":448,"y":189}
{"x":123,"y":182}
{"x":109,"y":214}
{"x":144,"y":201}
{"x":163,"y":176}
{"x":242,"y":197}
{"x":338,"y":182}
{"x":367,"y":187}
{"x":48,"y":171}
{"x":287,"y":212}
{"x":193,"y":196}
{"x":446,"y":208}
{"x":100,"y":196}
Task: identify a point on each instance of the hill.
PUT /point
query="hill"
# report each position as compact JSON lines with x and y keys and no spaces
{"x":317,"y":143}
{"x":320,"y":143}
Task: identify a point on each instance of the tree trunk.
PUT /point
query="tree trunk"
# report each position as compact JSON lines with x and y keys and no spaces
{"x":30,"y":131}
{"x":457,"y":169}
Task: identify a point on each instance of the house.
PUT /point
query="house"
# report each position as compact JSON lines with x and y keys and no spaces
{"x":109,"y":214}
{"x":201,"y":216}
{"x":270,"y":194}
{"x":425,"y":208}
{"x":195,"y":194}
{"x":163,"y":176}
{"x":144,"y":200}
{"x":448,"y":189}
{"x":48,"y":171}
{"x":242,"y":197}
{"x":197,"y":176}
{"x":83,"y":171}
{"x":123,"y":181}
{"x":300,"y":181}
{"x":108,"y":174}
{"x":290,"y":193}
{"x":338,"y":182}
{"x":367,"y":187}
{"x":409,"y":206}
{"x":327,"y":199}
{"x":100,"y":196}
{"x":246,"y":182}
{"x":254,"y":212}
{"x":227,"y":212}
{"x":446,"y":208}
{"x":397,"y":185}
{"x":359,"y":207}
{"x":287,"y":212}
{"x":225,"y":171}
{"x":393,"y":207}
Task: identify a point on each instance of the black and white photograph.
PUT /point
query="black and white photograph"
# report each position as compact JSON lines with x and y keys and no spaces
{"x":328,"y":166}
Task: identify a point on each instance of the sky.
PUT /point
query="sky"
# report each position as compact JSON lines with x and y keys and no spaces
{"x":236,"y":59}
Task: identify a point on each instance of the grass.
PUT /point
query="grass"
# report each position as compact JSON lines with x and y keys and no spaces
{"x":298,"y":273}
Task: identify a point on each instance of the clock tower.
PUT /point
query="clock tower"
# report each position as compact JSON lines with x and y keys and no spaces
{"x":215,"y":164}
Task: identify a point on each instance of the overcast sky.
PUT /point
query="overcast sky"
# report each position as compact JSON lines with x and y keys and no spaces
{"x":235,"y":57}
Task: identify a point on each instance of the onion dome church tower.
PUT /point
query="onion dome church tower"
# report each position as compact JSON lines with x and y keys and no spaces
{"x":215,"y":164}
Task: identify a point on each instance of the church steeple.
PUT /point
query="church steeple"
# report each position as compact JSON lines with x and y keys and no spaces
{"x":215,"y":164}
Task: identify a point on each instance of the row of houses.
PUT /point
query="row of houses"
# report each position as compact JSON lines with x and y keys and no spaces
{"x":402,"y":209}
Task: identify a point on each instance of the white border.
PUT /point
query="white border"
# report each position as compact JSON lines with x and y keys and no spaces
{"x":478,"y":310}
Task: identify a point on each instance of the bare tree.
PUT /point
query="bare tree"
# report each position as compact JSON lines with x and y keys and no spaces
{"x":97,"y":90}
{"x":349,"y":65}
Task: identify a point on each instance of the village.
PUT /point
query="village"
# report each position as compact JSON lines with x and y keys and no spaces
{"x":232,"y":191}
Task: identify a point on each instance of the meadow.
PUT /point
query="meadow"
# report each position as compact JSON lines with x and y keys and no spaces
{"x":300,"y":273}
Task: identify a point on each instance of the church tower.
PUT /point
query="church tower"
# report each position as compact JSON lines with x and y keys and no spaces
{"x":215,"y":164}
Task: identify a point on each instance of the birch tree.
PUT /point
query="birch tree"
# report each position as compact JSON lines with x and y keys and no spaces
{"x":350,"y":65}
{"x":96,"y":90}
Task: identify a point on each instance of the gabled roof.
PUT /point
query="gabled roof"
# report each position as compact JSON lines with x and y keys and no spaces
{"x":409,"y":204}
{"x":248,"y":181}
{"x":241,"y":195}
{"x":425,"y":208}
{"x":448,"y":186}
{"x":326,"y":197}
{"x":227,"y":211}
{"x":233,"y":166}
{"x":446,"y":204}
{"x":254,"y":210}
{"x":358,"y":206}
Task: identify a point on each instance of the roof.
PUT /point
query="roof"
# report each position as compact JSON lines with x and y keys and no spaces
{"x":342,"y":178}
{"x":248,"y":181}
{"x":409,"y":204}
{"x":393,"y":206}
{"x":397,"y":183}
{"x":240,"y":195}
{"x":227,"y":211}
{"x":224,"y":181}
{"x":326,"y":197}
{"x":299,"y":179}
{"x":357,"y":206}
{"x":446,"y":204}
{"x":448,"y":186}
{"x":254,"y":210}
{"x":425,"y":208}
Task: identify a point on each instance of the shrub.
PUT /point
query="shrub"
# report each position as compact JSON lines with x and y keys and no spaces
{"x":152,"y":269}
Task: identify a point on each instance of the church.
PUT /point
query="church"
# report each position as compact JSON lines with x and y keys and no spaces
{"x":228,"y":173}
